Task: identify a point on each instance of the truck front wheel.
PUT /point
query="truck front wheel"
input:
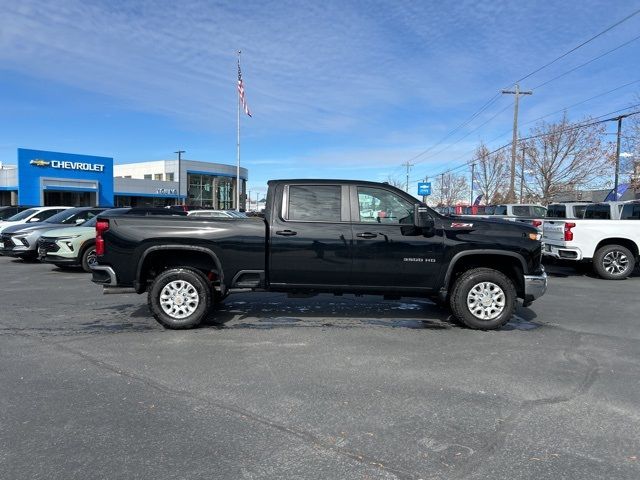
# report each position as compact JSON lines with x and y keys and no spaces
{"x":180,"y":298}
{"x":614,"y":262}
{"x":483,"y":299}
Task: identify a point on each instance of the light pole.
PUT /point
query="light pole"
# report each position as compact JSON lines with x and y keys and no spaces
{"x":179,"y":152}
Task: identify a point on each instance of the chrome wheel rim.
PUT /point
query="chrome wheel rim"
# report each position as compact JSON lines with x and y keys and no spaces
{"x":179,"y":299}
{"x":486,"y":300}
{"x":615,"y":262}
{"x":92,"y":258}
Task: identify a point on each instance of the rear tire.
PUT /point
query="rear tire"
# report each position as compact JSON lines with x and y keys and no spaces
{"x":180,"y":298}
{"x":614,"y":262}
{"x":483,"y":299}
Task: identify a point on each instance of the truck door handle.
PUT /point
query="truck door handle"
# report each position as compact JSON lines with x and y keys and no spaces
{"x":286,"y":233}
{"x":367,"y":235}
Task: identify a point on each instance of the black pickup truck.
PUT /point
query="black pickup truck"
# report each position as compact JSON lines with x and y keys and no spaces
{"x":331,"y":236}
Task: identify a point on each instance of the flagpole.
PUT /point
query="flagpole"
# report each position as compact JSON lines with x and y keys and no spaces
{"x":238,"y":162}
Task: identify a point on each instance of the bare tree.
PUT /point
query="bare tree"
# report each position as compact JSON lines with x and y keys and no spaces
{"x":561,"y":157}
{"x":395,"y":182}
{"x":450,"y":189}
{"x":490,"y":173}
{"x":630,"y":159}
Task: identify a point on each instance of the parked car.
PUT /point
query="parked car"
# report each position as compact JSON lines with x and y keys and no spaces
{"x":31,"y":215}
{"x":70,"y":247}
{"x":607,"y":237}
{"x":567,"y":209}
{"x":315,"y":239}
{"x":10,"y":211}
{"x":76,"y":246}
{"x":22,"y":240}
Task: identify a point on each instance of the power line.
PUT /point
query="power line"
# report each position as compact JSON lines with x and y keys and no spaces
{"x":490,"y":102}
{"x":611,"y":27}
{"x":573,"y":127}
{"x":551,"y":113}
{"x":493,"y":99}
{"x":586,"y":63}
{"x":467,"y":134}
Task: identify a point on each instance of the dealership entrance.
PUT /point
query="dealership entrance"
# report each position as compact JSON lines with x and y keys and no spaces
{"x":53,"y":198}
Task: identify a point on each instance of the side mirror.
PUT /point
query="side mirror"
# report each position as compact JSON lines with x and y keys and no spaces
{"x":34,"y":219}
{"x":421,"y":218}
{"x":79,"y":221}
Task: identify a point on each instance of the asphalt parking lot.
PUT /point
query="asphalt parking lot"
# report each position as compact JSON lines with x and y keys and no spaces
{"x":319,"y":388}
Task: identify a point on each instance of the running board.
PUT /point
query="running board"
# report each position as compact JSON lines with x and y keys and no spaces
{"x":113,"y":290}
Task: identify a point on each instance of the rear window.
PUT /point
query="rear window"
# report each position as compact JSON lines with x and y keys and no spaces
{"x":557,"y":211}
{"x":500,"y":210}
{"x":630,"y":212}
{"x":521,"y":210}
{"x":598,"y":212}
{"x":538,"y":211}
{"x":315,"y":203}
{"x":578,"y":211}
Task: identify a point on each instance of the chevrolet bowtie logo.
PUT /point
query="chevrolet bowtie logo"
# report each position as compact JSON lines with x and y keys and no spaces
{"x":40,"y":163}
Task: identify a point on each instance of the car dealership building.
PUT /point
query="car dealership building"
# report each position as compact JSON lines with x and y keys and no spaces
{"x":55,"y":178}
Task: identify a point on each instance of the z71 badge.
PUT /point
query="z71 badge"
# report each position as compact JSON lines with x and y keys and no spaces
{"x":461,"y":225}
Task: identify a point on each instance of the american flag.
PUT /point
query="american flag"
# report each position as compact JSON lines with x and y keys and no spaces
{"x":245,"y":107}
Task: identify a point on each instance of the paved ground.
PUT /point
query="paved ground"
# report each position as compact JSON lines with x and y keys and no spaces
{"x":320,"y":388}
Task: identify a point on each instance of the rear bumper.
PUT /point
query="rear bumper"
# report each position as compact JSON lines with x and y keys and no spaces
{"x":534,"y":287}
{"x":104,"y":275}
{"x":562,"y":252}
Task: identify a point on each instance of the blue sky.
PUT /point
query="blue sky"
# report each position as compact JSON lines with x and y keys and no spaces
{"x":338,"y":89}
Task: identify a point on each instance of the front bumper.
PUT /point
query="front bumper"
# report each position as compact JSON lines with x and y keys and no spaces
{"x":534,"y":287}
{"x":49,"y":258}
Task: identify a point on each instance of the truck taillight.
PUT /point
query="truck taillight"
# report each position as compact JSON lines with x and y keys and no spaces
{"x":101,"y":227}
{"x":568,"y":234}
{"x":536,"y":223}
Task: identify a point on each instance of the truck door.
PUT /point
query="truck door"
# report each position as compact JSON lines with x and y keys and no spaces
{"x":310,"y":237}
{"x":389,"y":250}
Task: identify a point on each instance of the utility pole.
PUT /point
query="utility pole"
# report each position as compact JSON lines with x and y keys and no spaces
{"x":617,"y":175}
{"x":408,"y":165}
{"x":522,"y":175}
{"x":473,"y":176}
{"x":249,"y":198}
{"x":179,"y":152}
{"x":511,"y":195}
{"x":442,"y":189}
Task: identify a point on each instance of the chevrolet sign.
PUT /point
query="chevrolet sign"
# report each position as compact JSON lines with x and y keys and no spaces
{"x":66,"y":165}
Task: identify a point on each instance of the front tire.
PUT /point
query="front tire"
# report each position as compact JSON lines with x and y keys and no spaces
{"x":483,"y":299}
{"x":88,"y":258}
{"x":180,"y":298}
{"x":614,"y":262}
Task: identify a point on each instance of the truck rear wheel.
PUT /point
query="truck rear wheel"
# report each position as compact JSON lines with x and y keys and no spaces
{"x":483,"y":299}
{"x":614,"y":262}
{"x":180,"y":298}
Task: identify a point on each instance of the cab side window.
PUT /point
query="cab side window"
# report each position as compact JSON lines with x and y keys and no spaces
{"x":315,"y":203}
{"x":376,"y":205}
{"x":630,"y":212}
